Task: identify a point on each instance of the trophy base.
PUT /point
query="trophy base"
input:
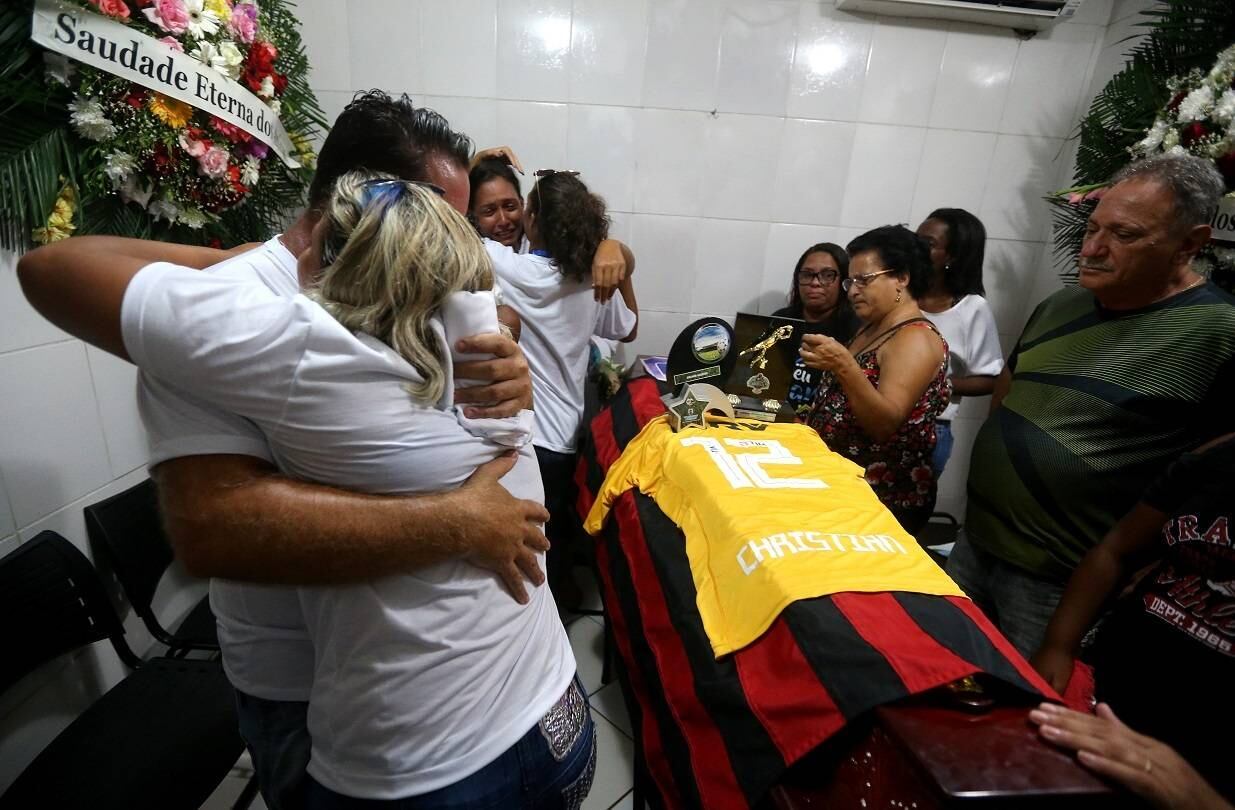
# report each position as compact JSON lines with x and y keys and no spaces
{"x":764,"y":410}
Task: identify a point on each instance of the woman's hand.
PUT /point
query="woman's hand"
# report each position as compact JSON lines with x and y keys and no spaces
{"x":824,"y":353}
{"x":1149,"y":768}
{"x":608,"y":269}
{"x":1055,"y":665}
{"x":502,"y":153}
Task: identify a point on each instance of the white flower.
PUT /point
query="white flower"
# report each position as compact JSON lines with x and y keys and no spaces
{"x":1225,"y":256}
{"x":59,"y":68}
{"x":1224,"y":110}
{"x":250,"y":172}
{"x":208,"y":54}
{"x":1196,"y":104}
{"x":232,"y":59}
{"x":1153,"y":138}
{"x":119,"y":167}
{"x":267,"y":89}
{"x":164,"y":209}
{"x":1170,"y":140}
{"x":1177,"y":150}
{"x":202,"y":21}
{"x":89,"y":121}
{"x":275,"y":106}
{"x":130,"y":192}
{"x":192,"y":217}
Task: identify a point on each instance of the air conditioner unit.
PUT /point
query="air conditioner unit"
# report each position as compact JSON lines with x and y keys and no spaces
{"x":1034,"y":15}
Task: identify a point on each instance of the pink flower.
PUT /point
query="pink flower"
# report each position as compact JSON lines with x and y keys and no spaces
{"x":194,"y":147}
{"x":1075,"y":198}
{"x":214,"y":162}
{"x":170,"y":15}
{"x":172,"y":43}
{"x":233,"y":133}
{"x":244,"y":22}
{"x":1096,"y":194}
{"x":113,"y":8}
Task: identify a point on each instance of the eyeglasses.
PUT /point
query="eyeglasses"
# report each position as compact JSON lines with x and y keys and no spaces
{"x":823,"y":279}
{"x":862,"y":281}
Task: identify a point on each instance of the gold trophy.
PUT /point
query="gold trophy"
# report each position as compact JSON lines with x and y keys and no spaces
{"x":761,"y":348}
{"x":758,"y":382}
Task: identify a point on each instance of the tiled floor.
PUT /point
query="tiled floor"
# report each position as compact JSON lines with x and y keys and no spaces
{"x":615,"y":749}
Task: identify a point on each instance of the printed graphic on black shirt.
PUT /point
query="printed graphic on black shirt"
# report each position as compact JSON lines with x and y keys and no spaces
{"x":1193,"y":589}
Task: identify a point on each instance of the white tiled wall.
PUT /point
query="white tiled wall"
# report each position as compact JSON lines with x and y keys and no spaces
{"x":734,"y":133}
{"x":69,"y":436}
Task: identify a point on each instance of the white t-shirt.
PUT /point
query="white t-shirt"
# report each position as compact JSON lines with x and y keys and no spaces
{"x":559,"y":316}
{"x":419,"y":680}
{"x":266,"y":648}
{"x":973,"y":342}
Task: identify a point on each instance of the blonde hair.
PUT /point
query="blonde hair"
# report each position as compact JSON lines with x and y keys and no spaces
{"x":391,"y":253}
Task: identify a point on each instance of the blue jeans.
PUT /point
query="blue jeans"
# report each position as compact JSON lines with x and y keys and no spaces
{"x":943,"y":447}
{"x":1019,"y":603}
{"x":276,"y":733}
{"x":549,"y":768}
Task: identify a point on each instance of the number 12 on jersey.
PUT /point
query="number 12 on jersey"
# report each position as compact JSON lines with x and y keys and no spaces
{"x":747,"y":469}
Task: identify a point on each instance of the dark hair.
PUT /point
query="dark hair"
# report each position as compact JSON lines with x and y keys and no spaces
{"x":570,"y":220}
{"x":491,"y":169}
{"x":899,"y":249}
{"x":967,"y":247}
{"x":842,"y":265}
{"x":385,"y":135}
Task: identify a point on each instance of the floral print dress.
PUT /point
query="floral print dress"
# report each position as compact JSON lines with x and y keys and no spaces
{"x":898,"y":469}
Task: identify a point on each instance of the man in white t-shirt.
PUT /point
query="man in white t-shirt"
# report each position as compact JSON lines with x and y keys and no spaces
{"x":256,"y":533}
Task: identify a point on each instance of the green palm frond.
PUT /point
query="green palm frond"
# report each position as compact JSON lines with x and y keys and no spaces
{"x":35,"y":163}
{"x":1182,"y":35}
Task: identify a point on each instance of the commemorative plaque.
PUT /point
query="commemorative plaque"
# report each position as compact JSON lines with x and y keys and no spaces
{"x":703,"y":352}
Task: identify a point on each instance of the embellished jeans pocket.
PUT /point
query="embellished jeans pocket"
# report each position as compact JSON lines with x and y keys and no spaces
{"x":565,"y":721}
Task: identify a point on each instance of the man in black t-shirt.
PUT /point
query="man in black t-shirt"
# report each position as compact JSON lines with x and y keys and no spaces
{"x":1164,"y":658}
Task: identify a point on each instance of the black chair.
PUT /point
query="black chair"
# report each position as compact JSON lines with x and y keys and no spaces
{"x":941,"y":529}
{"x":126,"y":532}
{"x":164,"y":737}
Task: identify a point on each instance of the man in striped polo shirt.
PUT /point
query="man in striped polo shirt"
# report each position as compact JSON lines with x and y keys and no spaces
{"x":1109,"y":382}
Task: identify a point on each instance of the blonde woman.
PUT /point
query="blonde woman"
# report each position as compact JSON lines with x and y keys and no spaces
{"x":434,"y":689}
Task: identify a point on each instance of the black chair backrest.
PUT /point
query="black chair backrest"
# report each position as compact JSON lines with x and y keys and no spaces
{"x":51,"y":602}
{"x":127,"y":532}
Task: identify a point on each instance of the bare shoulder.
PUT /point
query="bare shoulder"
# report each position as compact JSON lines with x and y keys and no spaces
{"x":918,"y":340}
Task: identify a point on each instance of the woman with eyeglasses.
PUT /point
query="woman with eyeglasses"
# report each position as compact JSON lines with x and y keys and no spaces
{"x":433,"y":688}
{"x":815,"y":298}
{"x":879,"y":396}
{"x":955,"y":303}
{"x":551,"y":289}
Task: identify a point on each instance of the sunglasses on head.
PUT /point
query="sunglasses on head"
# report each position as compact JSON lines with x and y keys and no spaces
{"x":388,"y":190}
{"x":551,"y":172}
{"x":382,"y":191}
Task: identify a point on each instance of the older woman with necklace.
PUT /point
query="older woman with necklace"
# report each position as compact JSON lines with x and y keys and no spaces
{"x":879,"y":396}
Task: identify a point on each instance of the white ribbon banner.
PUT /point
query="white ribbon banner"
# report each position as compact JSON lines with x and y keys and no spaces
{"x":1224,"y":221}
{"x":109,"y":45}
